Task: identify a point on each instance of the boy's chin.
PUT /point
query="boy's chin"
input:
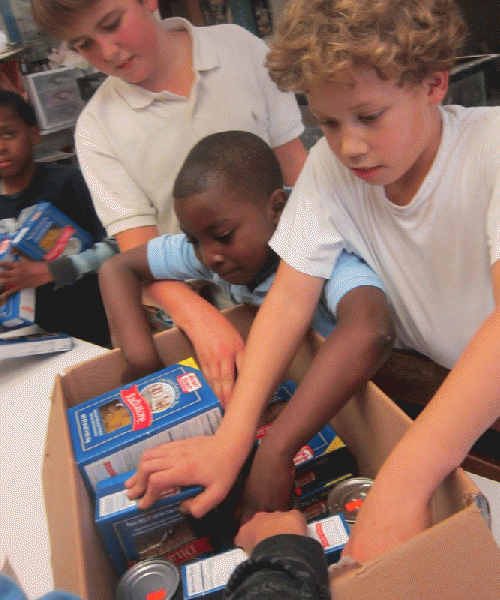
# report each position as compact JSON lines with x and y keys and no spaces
{"x":238,"y":277}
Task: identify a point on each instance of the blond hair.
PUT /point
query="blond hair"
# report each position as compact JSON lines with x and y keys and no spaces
{"x":323,"y":40}
{"x":54,"y":16}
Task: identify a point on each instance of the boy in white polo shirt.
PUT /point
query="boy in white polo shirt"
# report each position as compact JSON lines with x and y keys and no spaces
{"x":170,"y":85}
{"x":413,"y":187}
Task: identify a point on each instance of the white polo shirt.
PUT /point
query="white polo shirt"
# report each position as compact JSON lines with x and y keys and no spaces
{"x":131,"y":142}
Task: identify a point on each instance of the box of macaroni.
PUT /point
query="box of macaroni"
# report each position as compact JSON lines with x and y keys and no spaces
{"x":45,"y":233}
{"x":131,"y":534}
{"x":110,"y":432}
{"x":19,"y":308}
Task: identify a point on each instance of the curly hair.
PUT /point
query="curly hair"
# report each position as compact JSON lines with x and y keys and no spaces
{"x":323,"y":40}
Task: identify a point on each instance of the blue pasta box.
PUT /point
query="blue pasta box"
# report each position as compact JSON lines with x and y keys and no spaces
{"x":46,"y":233}
{"x":19,"y":308}
{"x":332,"y":533}
{"x":161,"y":531}
{"x":35,"y":343}
{"x":109,"y":433}
{"x":206,"y":578}
{"x":323,"y":460}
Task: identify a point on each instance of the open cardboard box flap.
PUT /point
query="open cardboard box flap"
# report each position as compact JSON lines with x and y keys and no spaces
{"x":456,"y":557}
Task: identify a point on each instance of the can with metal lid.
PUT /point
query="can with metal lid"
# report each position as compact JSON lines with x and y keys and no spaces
{"x":153,"y":579}
{"x":347,"y":497}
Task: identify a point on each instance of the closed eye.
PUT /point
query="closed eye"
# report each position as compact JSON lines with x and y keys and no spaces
{"x":370,"y":118}
{"x":225,"y":238}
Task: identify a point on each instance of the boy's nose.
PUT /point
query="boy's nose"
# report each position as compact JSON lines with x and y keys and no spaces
{"x":352,"y":145}
{"x":108,"y":48}
{"x":211,"y":257}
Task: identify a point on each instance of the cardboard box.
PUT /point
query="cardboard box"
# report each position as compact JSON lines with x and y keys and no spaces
{"x":46,"y":233}
{"x":111,"y":431}
{"x":131,"y":534}
{"x":456,"y":557}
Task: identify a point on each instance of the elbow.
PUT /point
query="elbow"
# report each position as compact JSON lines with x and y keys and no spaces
{"x":378,"y":340}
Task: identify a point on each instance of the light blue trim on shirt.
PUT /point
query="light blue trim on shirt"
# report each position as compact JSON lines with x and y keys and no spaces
{"x":173,"y":257}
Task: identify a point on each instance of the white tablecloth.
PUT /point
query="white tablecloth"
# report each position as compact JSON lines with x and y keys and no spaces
{"x":25,"y":389}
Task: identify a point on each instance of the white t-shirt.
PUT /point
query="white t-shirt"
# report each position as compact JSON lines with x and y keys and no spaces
{"x":433,"y":255}
{"x":131,"y":142}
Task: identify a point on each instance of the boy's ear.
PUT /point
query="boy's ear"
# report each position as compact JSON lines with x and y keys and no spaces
{"x":437,"y":86}
{"x":277,"y":203}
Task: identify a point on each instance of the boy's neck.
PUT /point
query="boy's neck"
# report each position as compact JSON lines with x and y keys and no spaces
{"x":19,"y":182}
{"x":176,"y":73}
{"x":402,"y":191}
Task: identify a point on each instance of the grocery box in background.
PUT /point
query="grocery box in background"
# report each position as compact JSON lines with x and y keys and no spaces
{"x":456,"y":555}
{"x":161,"y":531}
{"x":111,"y":432}
{"x":46,"y":233}
{"x":35,"y":343}
{"x":19,"y":308}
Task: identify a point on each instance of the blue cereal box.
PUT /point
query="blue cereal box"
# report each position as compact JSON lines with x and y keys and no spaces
{"x":323,"y":460}
{"x":46,"y":233}
{"x":110,"y":432}
{"x":332,"y":533}
{"x":19,"y":308}
{"x":161,"y":531}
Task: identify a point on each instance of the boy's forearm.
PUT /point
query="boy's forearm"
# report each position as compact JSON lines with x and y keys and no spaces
{"x":121,"y":290}
{"x":465,"y":405}
{"x":279,"y":327}
{"x":344,"y":364}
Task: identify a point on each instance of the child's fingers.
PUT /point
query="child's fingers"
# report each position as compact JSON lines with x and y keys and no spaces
{"x":201,"y":504}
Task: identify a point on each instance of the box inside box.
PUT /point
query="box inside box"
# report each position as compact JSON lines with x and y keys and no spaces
{"x":436,"y":563}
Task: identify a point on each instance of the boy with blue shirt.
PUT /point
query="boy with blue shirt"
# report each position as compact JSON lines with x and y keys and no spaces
{"x":229,"y":198}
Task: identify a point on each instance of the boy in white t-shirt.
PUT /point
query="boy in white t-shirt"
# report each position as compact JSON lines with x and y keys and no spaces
{"x":170,"y":84}
{"x":413,"y":188}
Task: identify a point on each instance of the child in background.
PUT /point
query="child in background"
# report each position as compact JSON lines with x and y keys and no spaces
{"x":73,"y":309}
{"x":413,"y":187}
{"x":228,"y":198}
{"x":170,"y":84}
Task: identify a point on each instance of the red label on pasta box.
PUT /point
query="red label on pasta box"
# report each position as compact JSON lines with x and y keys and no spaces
{"x":142,"y":415}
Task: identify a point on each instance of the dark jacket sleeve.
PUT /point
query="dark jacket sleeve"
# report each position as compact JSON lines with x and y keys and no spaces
{"x":284,"y":567}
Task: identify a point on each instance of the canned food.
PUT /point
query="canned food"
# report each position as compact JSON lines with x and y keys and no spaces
{"x":347,"y":497}
{"x":154,"y":579}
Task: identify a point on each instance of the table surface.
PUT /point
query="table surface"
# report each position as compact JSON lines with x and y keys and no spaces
{"x":24,"y":542}
{"x":25,"y":390}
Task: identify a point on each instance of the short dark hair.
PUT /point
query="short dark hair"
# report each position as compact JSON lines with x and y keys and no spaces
{"x":22,"y":109}
{"x":242,"y":158}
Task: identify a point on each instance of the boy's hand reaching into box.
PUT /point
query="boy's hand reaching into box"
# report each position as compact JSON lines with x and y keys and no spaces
{"x":200,"y":460}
